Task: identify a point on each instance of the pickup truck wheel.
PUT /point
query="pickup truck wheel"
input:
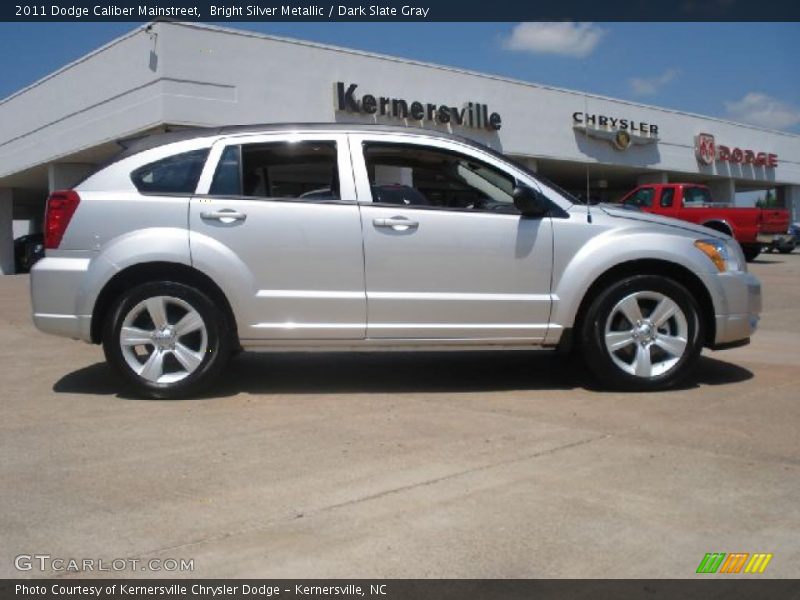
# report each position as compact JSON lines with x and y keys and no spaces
{"x":751,"y":251}
{"x":642,"y":333}
{"x":167,"y":339}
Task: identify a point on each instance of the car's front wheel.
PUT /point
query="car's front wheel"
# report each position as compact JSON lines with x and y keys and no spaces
{"x":751,"y":251}
{"x":642,"y":333}
{"x":167,"y":339}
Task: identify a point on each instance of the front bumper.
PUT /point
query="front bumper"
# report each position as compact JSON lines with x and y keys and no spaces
{"x":738,"y":309}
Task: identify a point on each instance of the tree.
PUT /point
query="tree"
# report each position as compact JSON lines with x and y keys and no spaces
{"x":769,"y":200}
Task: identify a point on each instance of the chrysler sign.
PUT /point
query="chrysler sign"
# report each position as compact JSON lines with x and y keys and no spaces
{"x":472,"y":114}
{"x":620,"y":133}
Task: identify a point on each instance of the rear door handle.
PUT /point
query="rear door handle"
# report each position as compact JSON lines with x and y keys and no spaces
{"x":225,"y":215}
{"x":396,"y":223}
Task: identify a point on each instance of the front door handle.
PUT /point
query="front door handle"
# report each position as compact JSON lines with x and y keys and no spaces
{"x":225,"y":215}
{"x":396,"y":223}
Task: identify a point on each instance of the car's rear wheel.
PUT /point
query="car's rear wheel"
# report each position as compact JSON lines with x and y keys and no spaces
{"x":642,"y":333}
{"x":167,"y":339}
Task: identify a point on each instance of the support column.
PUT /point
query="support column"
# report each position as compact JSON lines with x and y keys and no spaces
{"x":723,"y":190}
{"x":789,"y":197}
{"x":646,"y":178}
{"x":6,"y":232}
{"x":62,"y":176}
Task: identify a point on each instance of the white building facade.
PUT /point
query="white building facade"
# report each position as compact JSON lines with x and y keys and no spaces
{"x":173,"y":75}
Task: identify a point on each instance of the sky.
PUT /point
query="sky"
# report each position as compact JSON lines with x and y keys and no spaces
{"x":747,"y":72}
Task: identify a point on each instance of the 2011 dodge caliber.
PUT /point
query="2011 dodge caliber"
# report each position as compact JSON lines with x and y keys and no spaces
{"x":195,"y":244}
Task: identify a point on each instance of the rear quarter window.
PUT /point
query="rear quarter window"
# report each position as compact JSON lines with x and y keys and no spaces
{"x":695,"y":196}
{"x":177,"y":174}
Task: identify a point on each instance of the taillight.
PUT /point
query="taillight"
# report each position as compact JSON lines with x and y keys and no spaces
{"x":60,"y":208}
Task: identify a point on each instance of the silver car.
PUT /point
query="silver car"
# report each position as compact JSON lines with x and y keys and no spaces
{"x":193,"y":245}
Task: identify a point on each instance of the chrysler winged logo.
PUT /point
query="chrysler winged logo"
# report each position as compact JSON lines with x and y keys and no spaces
{"x":622,"y":139}
{"x":705,"y":148}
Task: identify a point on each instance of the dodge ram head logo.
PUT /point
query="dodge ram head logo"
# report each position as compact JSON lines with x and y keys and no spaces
{"x":705,"y":148}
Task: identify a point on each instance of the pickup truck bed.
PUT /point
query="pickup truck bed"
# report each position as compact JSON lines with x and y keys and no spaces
{"x":752,"y":227}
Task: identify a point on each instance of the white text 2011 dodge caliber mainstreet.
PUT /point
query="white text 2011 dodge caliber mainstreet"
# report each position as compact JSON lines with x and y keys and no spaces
{"x":191,"y":245}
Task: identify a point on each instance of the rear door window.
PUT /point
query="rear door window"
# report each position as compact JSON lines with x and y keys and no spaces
{"x":176,"y":174}
{"x":292,"y":170}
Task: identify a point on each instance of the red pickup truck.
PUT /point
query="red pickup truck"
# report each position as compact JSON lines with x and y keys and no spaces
{"x":751,"y":227}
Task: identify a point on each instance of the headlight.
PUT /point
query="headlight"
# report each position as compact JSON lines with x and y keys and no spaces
{"x":726,"y":255}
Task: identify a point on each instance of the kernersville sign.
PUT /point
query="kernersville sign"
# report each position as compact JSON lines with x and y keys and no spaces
{"x":471,"y":114}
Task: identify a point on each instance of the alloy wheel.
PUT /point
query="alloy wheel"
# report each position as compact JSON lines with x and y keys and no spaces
{"x":163,"y":339}
{"x":646,"y":334}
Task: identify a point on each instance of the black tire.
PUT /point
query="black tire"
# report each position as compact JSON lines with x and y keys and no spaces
{"x":598,"y":316}
{"x":215,"y":348}
{"x":786,"y":248}
{"x":751,"y":251}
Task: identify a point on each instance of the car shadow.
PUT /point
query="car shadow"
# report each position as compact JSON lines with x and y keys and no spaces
{"x":394,"y":372}
{"x":767,"y":260}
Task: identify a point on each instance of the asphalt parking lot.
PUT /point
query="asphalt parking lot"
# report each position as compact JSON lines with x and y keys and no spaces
{"x":403,"y":465}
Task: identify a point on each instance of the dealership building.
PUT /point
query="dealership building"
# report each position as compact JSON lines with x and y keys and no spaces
{"x":168,"y":75}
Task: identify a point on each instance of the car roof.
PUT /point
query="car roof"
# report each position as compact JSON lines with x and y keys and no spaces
{"x":133,"y":146}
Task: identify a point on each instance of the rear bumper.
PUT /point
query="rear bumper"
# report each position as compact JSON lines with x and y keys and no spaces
{"x":741,"y":297}
{"x":71,"y":326}
{"x":770,"y":238}
{"x":55,"y":296}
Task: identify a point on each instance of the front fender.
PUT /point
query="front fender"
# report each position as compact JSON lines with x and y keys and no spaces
{"x":577,"y":268}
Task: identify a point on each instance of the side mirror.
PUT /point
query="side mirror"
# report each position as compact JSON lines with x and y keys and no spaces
{"x":529,"y":202}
